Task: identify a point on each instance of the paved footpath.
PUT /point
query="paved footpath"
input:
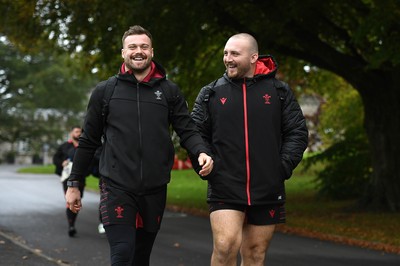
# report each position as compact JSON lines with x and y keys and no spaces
{"x":33,"y":231}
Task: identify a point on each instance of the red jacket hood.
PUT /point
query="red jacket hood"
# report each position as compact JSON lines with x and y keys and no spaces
{"x":265,"y":65}
{"x":155,"y":72}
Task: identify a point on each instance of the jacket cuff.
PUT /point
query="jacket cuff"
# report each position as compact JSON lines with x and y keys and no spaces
{"x":74,"y":177}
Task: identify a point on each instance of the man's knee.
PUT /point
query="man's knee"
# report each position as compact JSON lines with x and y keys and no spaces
{"x":254,"y":252}
{"x":226,"y":247}
{"x":121,"y":253}
{"x":254,"y":255}
{"x":121,"y":239}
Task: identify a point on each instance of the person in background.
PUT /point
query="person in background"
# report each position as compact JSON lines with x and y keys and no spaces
{"x":64,"y":155}
{"x":95,"y":172}
{"x":138,"y":153}
{"x":257,"y":133}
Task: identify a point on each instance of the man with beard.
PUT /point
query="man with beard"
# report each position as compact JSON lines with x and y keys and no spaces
{"x":138,"y":153}
{"x":257,"y":134}
{"x":64,"y":156}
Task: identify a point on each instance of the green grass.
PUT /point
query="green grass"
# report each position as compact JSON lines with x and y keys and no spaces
{"x":187,"y":190}
{"x":306,"y":213}
{"x":91,"y":182}
{"x":47,"y":169}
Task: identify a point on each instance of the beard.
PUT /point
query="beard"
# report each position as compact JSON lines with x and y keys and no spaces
{"x":231,"y":74}
{"x":138,"y":66}
{"x":75,"y":138}
{"x":235,"y":73}
{"x":238,"y":70}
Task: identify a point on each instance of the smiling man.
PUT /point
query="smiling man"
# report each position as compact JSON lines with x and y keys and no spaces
{"x":138,"y":152}
{"x":137,"y":54}
{"x":240,"y":57}
{"x":257,"y":132}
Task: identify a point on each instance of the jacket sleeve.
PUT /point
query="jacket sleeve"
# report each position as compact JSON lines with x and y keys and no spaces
{"x":91,"y":136}
{"x":200,"y":117}
{"x":185,"y":127}
{"x":294,"y":133}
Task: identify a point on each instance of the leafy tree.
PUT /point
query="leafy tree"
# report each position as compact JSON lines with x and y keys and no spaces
{"x":40,"y":94}
{"x":355,"y":39}
{"x":347,"y":160}
{"x":339,"y":124}
{"x":346,"y":156}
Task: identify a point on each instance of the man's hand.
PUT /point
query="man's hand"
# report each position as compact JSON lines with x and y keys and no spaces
{"x":206,"y":163}
{"x":73,"y":198}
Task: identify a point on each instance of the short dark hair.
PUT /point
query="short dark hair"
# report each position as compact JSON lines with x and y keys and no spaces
{"x":136,"y":30}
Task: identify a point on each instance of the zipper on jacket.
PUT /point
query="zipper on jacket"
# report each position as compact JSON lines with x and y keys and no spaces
{"x":246,"y":140}
{"x":140,"y":131}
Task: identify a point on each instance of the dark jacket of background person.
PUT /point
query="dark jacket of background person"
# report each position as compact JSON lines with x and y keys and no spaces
{"x":67,"y":151}
{"x":275,"y":128}
{"x":138,"y":152}
{"x":64,"y":152}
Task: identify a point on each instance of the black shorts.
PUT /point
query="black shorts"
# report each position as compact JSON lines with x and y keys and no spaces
{"x":256,"y":215}
{"x":121,"y":207}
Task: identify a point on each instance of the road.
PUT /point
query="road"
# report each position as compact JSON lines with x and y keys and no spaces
{"x":33,"y":231}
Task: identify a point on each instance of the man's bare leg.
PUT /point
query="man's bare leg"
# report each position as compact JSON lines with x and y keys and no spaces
{"x":226,"y":227}
{"x":255,"y":243}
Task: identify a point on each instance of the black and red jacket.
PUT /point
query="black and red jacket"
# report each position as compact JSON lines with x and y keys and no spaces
{"x":138,"y":152}
{"x":257,"y":133}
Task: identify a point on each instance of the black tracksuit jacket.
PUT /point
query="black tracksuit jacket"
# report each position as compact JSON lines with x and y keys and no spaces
{"x":64,"y":151}
{"x":257,"y":134}
{"x":138,"y":152}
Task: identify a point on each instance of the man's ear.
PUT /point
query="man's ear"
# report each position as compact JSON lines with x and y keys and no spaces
{"x":254,"y":58}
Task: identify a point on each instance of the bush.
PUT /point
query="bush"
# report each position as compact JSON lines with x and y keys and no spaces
{"x":347,"y":167}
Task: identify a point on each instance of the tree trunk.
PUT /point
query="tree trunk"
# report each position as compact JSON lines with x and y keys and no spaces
{"x":382,"y":124}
